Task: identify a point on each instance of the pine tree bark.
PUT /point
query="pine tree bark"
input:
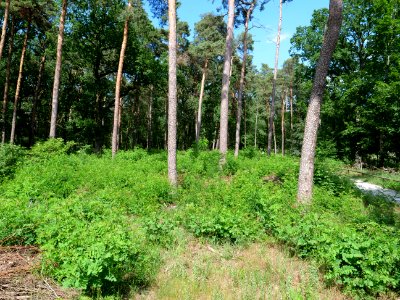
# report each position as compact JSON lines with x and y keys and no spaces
{"x":199,"y":111}
{"x":18,"y":88}
{"x":57,"y":72}
{"x":117,"y":104}
{"x":242,"y":76}
{"x":172,"y":98}
{"x":223,"y":130}
{"x":306,"y":175}
{"x":272,"y":111}
{"x":4,"y":28}
{"x":7,"y":83}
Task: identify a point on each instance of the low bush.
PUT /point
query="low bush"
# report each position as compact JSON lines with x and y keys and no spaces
{"x":10,"y":157}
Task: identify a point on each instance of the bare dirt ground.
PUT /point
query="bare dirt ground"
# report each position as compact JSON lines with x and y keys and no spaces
{"x":17,"y":280}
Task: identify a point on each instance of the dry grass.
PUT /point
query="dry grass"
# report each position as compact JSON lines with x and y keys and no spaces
{"x":260,"y":271}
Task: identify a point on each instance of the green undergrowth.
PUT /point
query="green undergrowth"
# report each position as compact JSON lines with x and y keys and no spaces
{"x":102,"y":224}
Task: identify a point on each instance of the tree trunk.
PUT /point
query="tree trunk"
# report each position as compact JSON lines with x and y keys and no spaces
{"x":18,"y":88}
{"x":198,"y":123}
{"x":57,"y":72}
{"x":4,"y":28}
{"x":274,"y":135}
{"x":7,"y":83}
{"x":36,"y":98}
{"x":172,"y":100}
{"x":256,"y":126}
{"x":150,"y":120}
{"x":272,"y":111}
{"x":306,"y":175}
{"x":241,"y":83}
{"x":116,"y":128}
{"x":223,"y":131}
{"x":283,"y":123}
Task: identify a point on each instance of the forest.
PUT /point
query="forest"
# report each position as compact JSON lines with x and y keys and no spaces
{"x":140,"y":160}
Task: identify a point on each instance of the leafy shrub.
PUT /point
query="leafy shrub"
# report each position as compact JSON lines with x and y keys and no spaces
{"x":222,"y":224}
{"x":10,"y":156}
{"x":50,"y":147}
{"x":17,"y":222}
{"x":89,"y":244}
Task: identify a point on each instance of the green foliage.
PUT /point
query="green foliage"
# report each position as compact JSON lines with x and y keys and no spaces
{"x":102,"y":223}
{"x":10,"y":156}
{"x":90,"y":244}
{"x":51,"y":147}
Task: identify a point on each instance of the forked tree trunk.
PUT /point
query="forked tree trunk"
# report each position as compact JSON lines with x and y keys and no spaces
{"x":57,"y":72}
{"x":242,"y":76}
{"x":198,"y":122}
{"x":4,"y":28}
{"x":7,"y":84}
{"x":306,"y":175}
{"x":272,"y":111}
{"x":283,"y":123}
{"x":117,"y":104}
{"x":223,"y":130}
{"x":18,"y":88}
{"x":172,"y":100}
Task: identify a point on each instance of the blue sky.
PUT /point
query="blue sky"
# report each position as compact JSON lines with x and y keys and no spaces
{"x":295,"y":13}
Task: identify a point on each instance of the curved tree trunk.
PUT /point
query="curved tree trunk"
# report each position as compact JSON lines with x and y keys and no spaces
{"x":116,"y":125}
{"x":18,"y":88}
{"x":241,"y":83}
{"x":172,"y":101}
{"x":198,"y":122}
{"x":306,"y":175}
{"x":223,"y":131}
{"x":7,"y":83}
{"x":57,"y":73}
{"x":4,"y":28}
{"x":272,"y":111}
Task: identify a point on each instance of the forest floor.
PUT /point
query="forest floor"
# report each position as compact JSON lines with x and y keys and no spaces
{"x":262,"y":270}
{"x":18,"y":279}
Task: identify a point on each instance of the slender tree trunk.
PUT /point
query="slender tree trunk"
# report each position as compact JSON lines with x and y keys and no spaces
{"x":256,"y":126}
{"x":312,"y":120}
{"x":115,"y":133}
{"x":36,"y":98}
{"x":119,"y":141}
{"x":223,"y":131}
{"x":272,"y":112}
{"x":283,"y":123}
{"x":203,"y":80}
{"x":7,"y":83}
{"x":245,"y":124}
{"x":57,"y":72}
{"x":274,"y":135}
{"x":241,"y":83}
{"x":4,"y":28}
{"x":291,"y":108}
{"x":172,"y":99}
{"x":18,"y":88}
{"x":150,"y":120}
